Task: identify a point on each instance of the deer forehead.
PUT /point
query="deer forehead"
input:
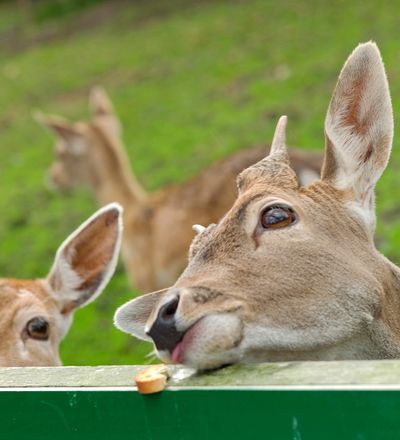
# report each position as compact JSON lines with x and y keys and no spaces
{"x":25,"y":291}
{"x":27,"y":299}
{"x":24,"y":299}
{"x":317,"y":197}
{"x":324,"y":224}
{"x":267,"y":171}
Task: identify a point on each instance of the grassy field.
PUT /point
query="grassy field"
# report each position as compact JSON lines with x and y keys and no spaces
{"x":192,"y":82}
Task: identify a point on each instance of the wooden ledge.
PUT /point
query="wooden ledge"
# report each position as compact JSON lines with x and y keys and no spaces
{"x":297,"y":400}
{"x":290,"y":374}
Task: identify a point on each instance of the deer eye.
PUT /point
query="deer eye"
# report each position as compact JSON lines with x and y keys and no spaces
{"x":274,"y":217}
{"x":38,"y":328}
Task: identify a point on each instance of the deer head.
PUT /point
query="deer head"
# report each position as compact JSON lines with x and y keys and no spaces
{"x":79,"y":147}
{"x":291,"y":272}
{"x":36,"y":314}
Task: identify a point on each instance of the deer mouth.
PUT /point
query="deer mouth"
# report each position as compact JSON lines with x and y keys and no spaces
{"x":210,"y":342}
{"x":178,"y":353}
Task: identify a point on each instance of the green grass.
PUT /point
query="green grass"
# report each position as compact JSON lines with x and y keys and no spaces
{"x":192,"y":82}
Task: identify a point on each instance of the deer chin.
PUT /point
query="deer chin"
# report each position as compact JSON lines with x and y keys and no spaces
{"x":210,"y":343}
{"x":279,"y":344}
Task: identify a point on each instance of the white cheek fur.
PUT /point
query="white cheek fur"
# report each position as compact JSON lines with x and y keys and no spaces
{"x":215,"y":342}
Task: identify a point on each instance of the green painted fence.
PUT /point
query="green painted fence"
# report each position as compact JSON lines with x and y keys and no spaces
{"x":297,"y":401}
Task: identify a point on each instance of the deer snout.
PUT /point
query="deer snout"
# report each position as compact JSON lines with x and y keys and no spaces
{"x":163,"y":330}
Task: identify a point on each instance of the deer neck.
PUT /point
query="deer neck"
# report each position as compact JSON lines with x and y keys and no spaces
{"x":113,"y":179}
{"x":386,"y":330}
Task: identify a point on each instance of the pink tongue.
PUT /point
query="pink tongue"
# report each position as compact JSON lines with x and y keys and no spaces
{"x":176,"y":354}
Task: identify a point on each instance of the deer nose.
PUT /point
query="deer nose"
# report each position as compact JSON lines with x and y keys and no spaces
{"x":163,"y":331}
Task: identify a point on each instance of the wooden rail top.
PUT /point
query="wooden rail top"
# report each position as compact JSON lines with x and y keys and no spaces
{"x":334,"y":374}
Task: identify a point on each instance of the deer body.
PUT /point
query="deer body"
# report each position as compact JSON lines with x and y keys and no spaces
{"x":291,"y":272}
{"x":36,"y":314}
{"x":157,"y":229}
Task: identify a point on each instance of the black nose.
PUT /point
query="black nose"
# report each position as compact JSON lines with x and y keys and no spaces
{"x":163,"y":331}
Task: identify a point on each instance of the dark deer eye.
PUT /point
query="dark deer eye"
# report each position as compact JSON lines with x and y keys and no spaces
{"x":38,"y":328}
{"x":275,"y":217}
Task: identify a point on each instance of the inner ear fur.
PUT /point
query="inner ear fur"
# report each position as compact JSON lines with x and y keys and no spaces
{"x":87,"y":259}
{"x":359,"y":126}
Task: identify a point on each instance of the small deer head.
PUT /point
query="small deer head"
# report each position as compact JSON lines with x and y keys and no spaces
{"x":291,"y":272}
{"x":79,"y":144}
{"x":36,"y":314}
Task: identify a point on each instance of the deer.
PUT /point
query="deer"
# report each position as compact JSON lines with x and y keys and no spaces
{"x":36,"y":314}
{"x":291,"y":272}
{"x":157,"y":232}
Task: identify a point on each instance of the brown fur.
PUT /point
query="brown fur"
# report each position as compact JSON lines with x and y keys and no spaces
{"x":15,"y":301}
{"x":157,"y":225}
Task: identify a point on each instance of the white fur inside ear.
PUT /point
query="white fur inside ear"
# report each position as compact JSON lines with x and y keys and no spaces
{"x":68,"y":278}
{"x":359,"y":127}
{"x":65,"y":281}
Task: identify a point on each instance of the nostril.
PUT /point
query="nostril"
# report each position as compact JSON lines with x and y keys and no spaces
{"x":163,"y":331}
{"x":168,"y":310}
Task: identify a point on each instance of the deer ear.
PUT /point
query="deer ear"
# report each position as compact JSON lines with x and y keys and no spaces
{"x":133,"y":316}
{"x":74,"y":139}
{"x":99,"y":102}
{"x":359,"y":128}
{"x":86,"y":260}
{"x":60,"y":126}
{"x":101,"y":106}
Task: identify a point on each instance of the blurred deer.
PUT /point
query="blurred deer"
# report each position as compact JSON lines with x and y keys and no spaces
{"x":158,"y":229}
{"x":36,"y":314}
{"x":291,"y":272}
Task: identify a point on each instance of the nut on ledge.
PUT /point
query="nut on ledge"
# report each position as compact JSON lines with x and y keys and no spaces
{"x":152,"y":379}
